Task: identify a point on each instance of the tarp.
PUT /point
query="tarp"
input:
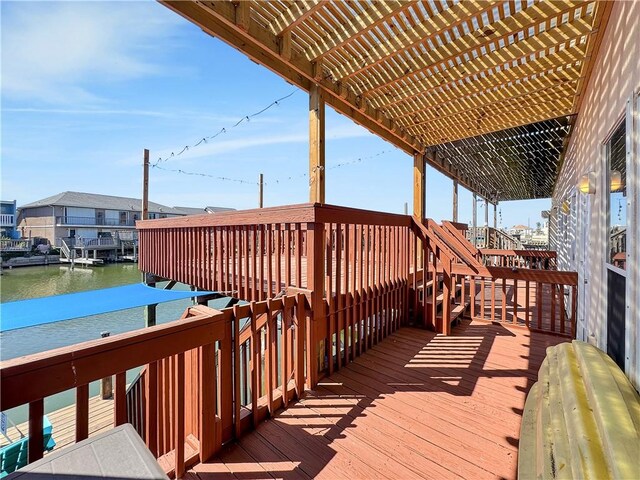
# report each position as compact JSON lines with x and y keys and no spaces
{"x":38,"y":311}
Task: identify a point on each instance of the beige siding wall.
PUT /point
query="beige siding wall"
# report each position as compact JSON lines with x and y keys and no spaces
{"x":614,"y":81}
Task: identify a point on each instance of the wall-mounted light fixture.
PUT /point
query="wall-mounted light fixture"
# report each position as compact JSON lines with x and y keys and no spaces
{"x":587,"y":183}
{"x":616,"y":181}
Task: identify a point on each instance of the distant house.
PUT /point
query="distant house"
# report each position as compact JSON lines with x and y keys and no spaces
{"x":87,"y":215}
{"x":8,"y":219}
{"x":200,"y":211}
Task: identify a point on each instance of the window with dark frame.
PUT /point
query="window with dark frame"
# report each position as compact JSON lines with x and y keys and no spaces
{"x":617,"y":198}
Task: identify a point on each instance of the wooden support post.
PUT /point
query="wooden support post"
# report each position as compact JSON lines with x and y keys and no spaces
{"x":455,"y":201}
{"x":261,"y":194}
{"x":495,"y":215}
{"x":486,"y":214}
{"x":316,"y":330}
{"x":145,"y":186}
{"x":419,"y":181}
{"x":316,"y":145}
{"x":474,"y":221}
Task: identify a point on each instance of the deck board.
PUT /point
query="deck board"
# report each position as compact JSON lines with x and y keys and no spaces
{"x":416,"y":405}
{"x":64,"y":422}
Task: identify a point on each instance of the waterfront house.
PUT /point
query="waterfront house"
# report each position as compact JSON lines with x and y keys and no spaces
{"x":384,"y":345}
{"x":85,"y":215}
{"x":8,"y":219}
{"x":90,"y":215}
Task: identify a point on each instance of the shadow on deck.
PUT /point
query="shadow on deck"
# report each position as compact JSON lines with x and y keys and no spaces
{"x":417,"y":405}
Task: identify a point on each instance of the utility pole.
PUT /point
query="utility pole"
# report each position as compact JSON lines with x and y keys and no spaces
{"x":149,"y":310}
{"x":474,"y":221}
{"x":145,"y":186}
{"x":261,"y":195}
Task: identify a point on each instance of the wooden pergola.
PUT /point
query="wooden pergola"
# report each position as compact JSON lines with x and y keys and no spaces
{"x":427,"y":75}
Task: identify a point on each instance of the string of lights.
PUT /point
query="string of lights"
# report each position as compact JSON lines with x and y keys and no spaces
{"x":206,"y":139}
{"x":198,"y":174}
{"x":276,"y":181}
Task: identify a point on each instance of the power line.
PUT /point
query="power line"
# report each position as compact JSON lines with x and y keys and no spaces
{"x":206,"y":139}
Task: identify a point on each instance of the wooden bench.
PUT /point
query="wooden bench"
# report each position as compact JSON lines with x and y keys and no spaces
{"x":581,"y":419}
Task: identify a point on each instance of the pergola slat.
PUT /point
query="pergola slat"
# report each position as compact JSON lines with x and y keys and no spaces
{"x":431,"y":75}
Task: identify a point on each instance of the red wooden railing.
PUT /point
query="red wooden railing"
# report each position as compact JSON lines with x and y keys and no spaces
{"x":323,"y":285}
{"x":538,"y":259}
{"x":190,"y":384}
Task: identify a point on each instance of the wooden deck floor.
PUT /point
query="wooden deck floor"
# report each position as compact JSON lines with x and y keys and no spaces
{"x":64,"y":422}
{"x":415,"y":406}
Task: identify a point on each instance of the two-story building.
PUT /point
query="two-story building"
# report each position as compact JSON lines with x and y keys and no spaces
{"x":88,"y":216}
{"x":8,"y":219}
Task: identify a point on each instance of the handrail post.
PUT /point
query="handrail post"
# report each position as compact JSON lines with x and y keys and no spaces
{"x":316,"y":327}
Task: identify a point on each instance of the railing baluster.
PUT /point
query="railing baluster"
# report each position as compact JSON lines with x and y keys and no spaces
{"x":178,"y":415}
{"x":346,"y":287}
{"x":207,"y":402}
{"x":82,"y":412}
{"x":553,"y":287}
{"x":539,"y":303}
{"x":151,"y":410}
{"x":36,"y":437}
{"x":526,"y":304}
{"x":300,"y":336}
{"x":515,"y":301}
{"x":120,"y":399}
{"x":339,"y":303}
{"x":504,"y":300}
{"x":236,"y":369}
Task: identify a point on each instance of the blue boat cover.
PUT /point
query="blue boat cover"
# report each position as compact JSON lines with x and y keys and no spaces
{"x":38,"y":311}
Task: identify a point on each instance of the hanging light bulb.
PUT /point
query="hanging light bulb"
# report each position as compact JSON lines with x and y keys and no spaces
{"x":616,"y":181}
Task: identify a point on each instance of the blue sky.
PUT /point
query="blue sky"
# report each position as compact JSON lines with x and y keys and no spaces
{"x":86,"y":86}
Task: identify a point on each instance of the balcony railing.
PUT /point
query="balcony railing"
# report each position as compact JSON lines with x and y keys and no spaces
{"x":324,"y":285}
{"x":94,"y":221}
{"x":8,"y":245}
{"x":7,"y":220}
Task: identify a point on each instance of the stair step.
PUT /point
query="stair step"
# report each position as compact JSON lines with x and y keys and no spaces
{"x":440,"y":297}
{"x":456,"y":312}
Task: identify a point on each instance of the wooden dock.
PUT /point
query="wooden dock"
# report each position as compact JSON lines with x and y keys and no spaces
{"x":83,"y":261}
{"x":64,"y":422}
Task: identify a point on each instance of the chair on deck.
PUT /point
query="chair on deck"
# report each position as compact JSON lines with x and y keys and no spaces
{"x":14,"y":455}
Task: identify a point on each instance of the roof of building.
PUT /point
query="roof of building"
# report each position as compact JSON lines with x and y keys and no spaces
{"x":520,"y":227}
{"x":95,"y":200}
{"x":199,"y":211}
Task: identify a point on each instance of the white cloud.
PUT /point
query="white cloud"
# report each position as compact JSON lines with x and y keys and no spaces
{"x":57,"y":52}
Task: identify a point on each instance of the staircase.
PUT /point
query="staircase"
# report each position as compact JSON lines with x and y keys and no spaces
{"x":442,"y":296}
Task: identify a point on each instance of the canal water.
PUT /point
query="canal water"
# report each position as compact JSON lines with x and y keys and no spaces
{"x":32,"y":282}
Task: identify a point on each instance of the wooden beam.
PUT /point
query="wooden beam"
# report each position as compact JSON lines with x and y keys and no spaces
{"x":217,"y":18}
{"x":564,"y":33}
{"x":374,"y":15}
{"x":316,"y":146}
{"x":414,"y":37}
{"x":293,"y":16}
{"x":545,"y":63}
{"x":484,"y":38}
